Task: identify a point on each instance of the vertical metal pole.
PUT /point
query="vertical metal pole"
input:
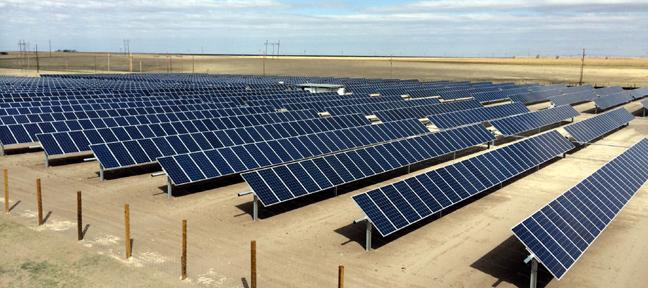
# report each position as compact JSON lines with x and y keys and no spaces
{"x":101,"y":172}
{"x":169,"y":188}
{"x":184,"y":250}
{"x":79,"y":218}
{"x":39,"y":201}
{"x":255,"y":208}
{"x":341,"y":276}
{"x":580,"y":81}
{"x":368,"y":236}
{"x":127,"y":235}
{"x":253,"y":270}
{"x":533,"y":282}
{"x":6,"y":190}
{"x":37,"y":60}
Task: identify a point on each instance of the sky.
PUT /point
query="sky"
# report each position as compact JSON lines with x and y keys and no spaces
{"x":382,"y":27}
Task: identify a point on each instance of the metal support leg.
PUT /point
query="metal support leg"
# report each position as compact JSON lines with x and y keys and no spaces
{"x":409,"y":169}
{"x":2,"y":153}
{"x":335,"y":191}
{"x":533,"y":282}
{"x":101,"y":172}
{"x":368,"y":236}
{"x":255,"y":208}
{"x":169,"y":189}
{"x":46,"y":161}
{"x":454,"y":155}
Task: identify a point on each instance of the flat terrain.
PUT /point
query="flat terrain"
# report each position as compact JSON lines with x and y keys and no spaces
{"x":598,"y":70}
{"x":302,"y":245}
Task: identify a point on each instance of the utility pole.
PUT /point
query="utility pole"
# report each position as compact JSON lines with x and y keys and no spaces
{"x":50,"y":47}
{"x":37,"y":60}
{"x":580,"y":82}
{"x":391,"y":65}
{"x":278,"y":45}
{"x":264,"y":57}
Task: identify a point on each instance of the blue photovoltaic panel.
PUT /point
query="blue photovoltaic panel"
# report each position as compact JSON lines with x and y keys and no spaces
{"x":394,"y":207}
{"x":521,"y":123}
{"x":300,"y":179}
{"x":478,"y":115}
{"x":599,"y":125}
{"x":83,"y":138}
{"x":257,"y":155}
{"x":559,"y":233}
{"x":609,"y":101}
{"x":185,"y":143}
{"x":423,"y":111}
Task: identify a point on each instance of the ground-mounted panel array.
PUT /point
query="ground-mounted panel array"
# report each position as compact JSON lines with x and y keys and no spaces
{"x":394,"y":207}
{"x":559,"y":233}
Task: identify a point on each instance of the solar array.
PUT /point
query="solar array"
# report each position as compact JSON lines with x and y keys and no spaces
{"x":517,"y":124}
{"x":477,"y":115}
{"x":279,"y":184}
{"x":560,"y":232}
{"x":105,"y":130}
{"x":210,"y":164}
{"x":394,"y":207}
{"x":147,"y":150}
{"x":603,"y":103}
{"x":587,"y":130}
{"x":424,"y":110}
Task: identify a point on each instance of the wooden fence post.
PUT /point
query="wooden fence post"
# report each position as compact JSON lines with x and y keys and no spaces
{"x":6,"y":190}
{"x":184,"y":250}
{"x":341,"y":276}
{"x":253,"y":276}
{"x":79,"y":217}
{"x":127,"y":237}
{"x":39,"y":201}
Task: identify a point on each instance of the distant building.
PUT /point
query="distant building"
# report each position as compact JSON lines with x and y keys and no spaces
{"x":320,"y":88}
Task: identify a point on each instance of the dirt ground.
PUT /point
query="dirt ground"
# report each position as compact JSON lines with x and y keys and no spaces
{"x":627,"y":72}
{"x":300,"y":245}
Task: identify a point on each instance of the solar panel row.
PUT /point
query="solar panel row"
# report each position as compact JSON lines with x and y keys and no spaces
{"x":78,"y":140}
{"x":104,"y":106}
{"x":609,"y":101}
{"x":399,"y":205}
{"x":210,"y":164}
{"x":282,"y":183}
{"x":477,"y":115}
{"x":587,"y":130}
{"x":517,"y":124}
{"x":559,"y":233}
{"x":147,"y":150}
{"x":214,"y":109}
{"x":369,"y":107}
{"x":423,"y":111}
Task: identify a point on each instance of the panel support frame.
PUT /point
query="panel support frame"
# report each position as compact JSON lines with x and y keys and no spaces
{"x":255,"y":208}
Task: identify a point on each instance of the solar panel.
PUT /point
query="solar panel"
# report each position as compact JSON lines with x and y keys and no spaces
{"x":587,"y":130}
{"x":107,"y":130}
{"x":514,"y":125}
{"x":559,"y":233}
{"x":478,"y":115}
{"x":609,"y":101}
{"x":399,"y":205}
{"x":185,"y":143}
{"x":315,"y":175}
{"x":238,"y":159}
{"x":573,"y":98}
{"x":423,"y":111}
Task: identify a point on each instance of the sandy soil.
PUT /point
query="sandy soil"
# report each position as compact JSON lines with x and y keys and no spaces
{"x":599,"y":71}
{"x":301,"y":245}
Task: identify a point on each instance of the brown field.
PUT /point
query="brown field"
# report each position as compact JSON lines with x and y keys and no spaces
{"x":598,"y":70}
{"x":302,"y":245}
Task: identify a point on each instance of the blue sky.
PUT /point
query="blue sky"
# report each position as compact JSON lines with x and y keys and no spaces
{"x":383,"y":27}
